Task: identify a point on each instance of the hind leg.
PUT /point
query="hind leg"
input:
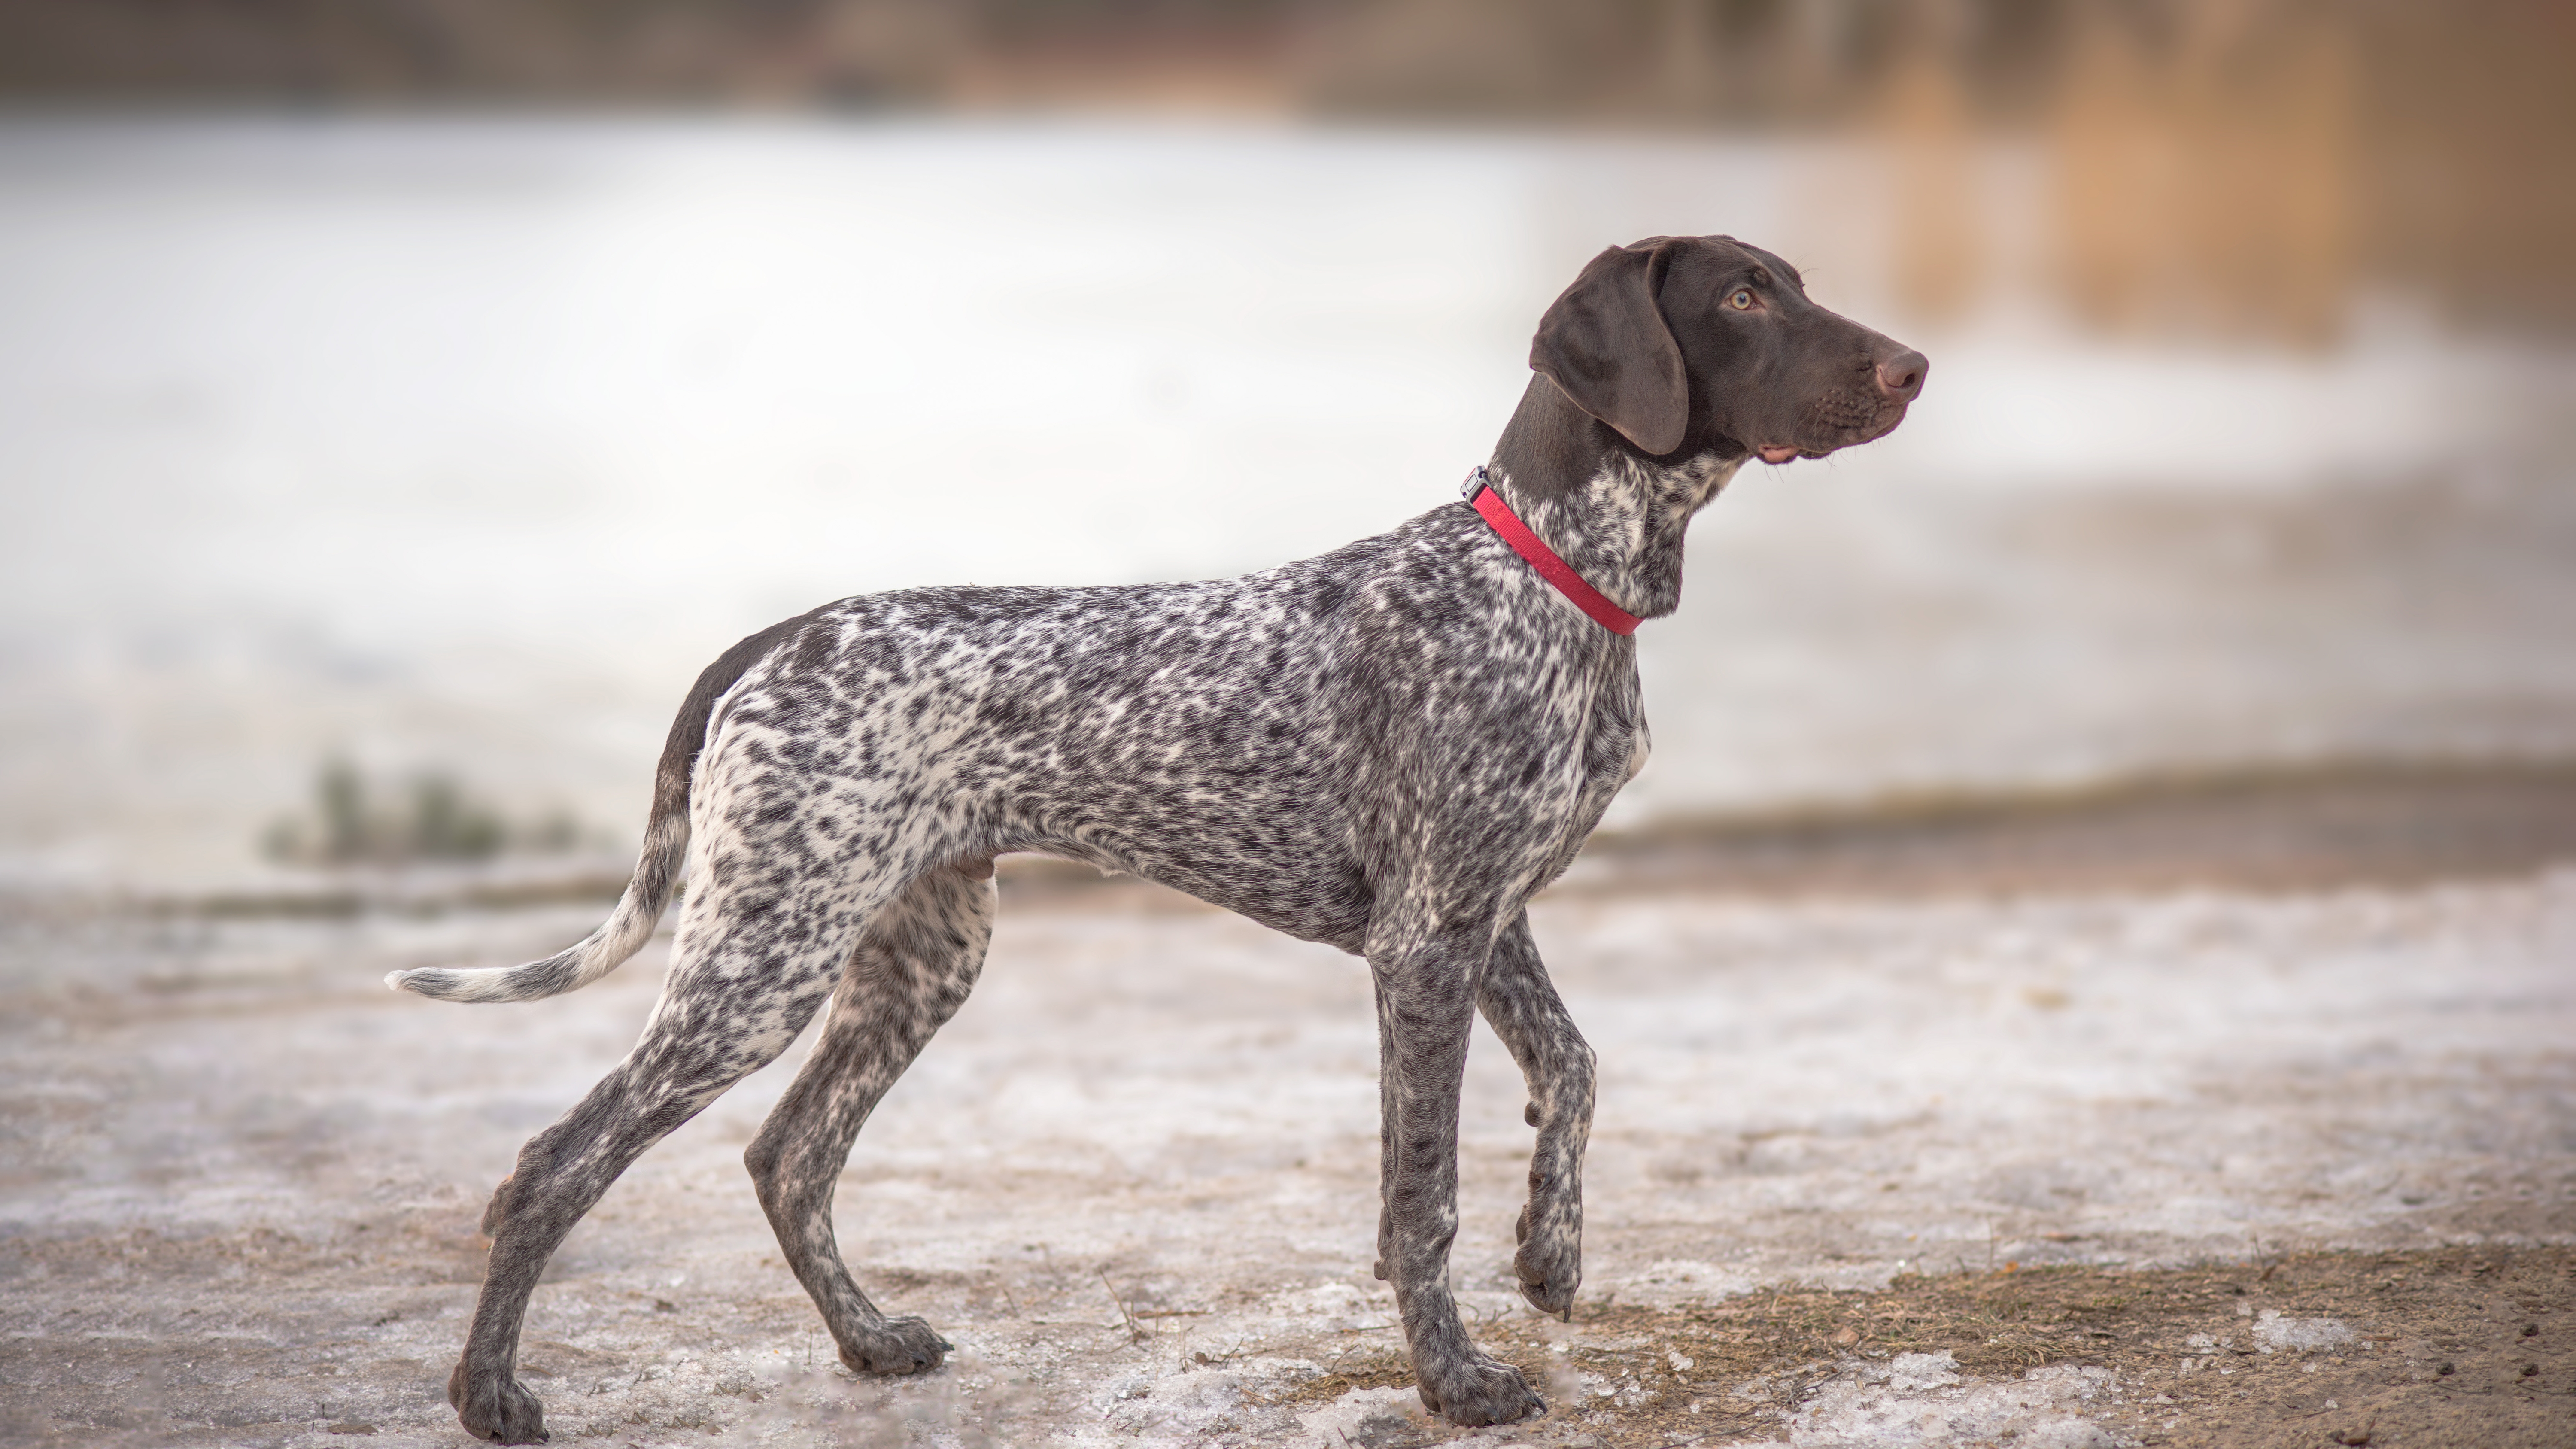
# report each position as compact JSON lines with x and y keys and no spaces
{"x":911,"y":972}
{"x":745,"y":984}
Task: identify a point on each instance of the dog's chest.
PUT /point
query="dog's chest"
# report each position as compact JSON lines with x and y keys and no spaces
{"x":1607,"y":752}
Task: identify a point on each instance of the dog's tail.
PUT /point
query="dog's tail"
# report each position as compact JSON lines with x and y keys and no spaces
{"x":657,"y":870}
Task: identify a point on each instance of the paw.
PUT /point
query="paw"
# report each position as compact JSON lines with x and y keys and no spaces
{"x":900,"y":1346}
{"x":495,"y":1408}
{"x":1549,"y":1266}
{"x":1471,"y":1390}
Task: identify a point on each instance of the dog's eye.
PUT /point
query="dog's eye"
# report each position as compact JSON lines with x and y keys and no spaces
{"x":1742,"y":300}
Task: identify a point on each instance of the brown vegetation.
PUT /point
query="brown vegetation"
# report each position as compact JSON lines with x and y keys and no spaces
{"x":2448,"y":1346}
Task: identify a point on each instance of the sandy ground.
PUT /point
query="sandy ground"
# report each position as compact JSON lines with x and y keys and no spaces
{"x":1134,"y":1179}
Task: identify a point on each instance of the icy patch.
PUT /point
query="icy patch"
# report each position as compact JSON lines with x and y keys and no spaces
{"x":2276,"y":1334}
{"x":1368,"y":1418}
{"x":1920,"y":1399}
{"x":1182,"y":1408}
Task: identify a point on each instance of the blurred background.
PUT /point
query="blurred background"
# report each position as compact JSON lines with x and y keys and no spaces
{"x":400,"y":400}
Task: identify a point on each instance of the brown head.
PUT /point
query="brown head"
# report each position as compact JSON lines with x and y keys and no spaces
{"x":1692,"y":345}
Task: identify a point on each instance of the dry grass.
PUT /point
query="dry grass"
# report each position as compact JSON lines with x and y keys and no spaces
{"x":2461,"y":1346}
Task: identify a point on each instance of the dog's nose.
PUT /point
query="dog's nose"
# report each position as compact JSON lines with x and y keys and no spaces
{"x":1901,"y":376}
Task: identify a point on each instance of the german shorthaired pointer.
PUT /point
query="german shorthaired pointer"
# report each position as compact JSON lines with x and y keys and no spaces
{"x":1388,"y":748}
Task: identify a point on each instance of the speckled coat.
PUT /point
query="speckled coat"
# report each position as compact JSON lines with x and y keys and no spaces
{"x":1387,"y":748}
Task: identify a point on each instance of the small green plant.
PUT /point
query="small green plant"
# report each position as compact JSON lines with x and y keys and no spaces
{"x":427,"y":816}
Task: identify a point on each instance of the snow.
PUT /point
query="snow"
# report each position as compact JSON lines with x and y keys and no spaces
{"x":2275,"y":1333}
{"x":1919,"y":1399}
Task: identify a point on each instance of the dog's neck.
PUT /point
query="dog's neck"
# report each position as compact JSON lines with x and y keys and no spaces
{"x":1613,"y":513}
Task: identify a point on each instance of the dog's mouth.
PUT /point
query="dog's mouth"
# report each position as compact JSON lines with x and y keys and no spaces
{"x":1847,"y":421}
{"x":1778,"y":453}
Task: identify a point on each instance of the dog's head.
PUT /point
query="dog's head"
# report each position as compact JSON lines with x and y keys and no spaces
{"x":1688,"y":345}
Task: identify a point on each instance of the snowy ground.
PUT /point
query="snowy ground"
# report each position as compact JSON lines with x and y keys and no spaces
{"x":1134,"y":1179}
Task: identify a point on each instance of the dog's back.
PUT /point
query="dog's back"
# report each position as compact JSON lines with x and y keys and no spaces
{"x":1245,"y":740}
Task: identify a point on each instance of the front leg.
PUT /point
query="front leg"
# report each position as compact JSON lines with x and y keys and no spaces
{"x":1425,"y":1007}
{"x":1522,"y":1006}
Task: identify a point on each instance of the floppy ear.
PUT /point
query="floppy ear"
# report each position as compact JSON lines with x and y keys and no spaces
{"x":1604,"y":343}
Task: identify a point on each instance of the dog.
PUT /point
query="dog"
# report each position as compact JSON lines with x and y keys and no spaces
{"x":1388,"y":748}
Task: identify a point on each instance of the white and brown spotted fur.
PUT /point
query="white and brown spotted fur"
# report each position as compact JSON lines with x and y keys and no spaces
{"x":1388,"y":748}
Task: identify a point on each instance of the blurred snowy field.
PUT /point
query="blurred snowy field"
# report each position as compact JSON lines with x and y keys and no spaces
{"x":465,"y":442}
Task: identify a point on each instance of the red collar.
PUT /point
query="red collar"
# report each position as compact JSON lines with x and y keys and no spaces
{"x":1489,"y":502}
